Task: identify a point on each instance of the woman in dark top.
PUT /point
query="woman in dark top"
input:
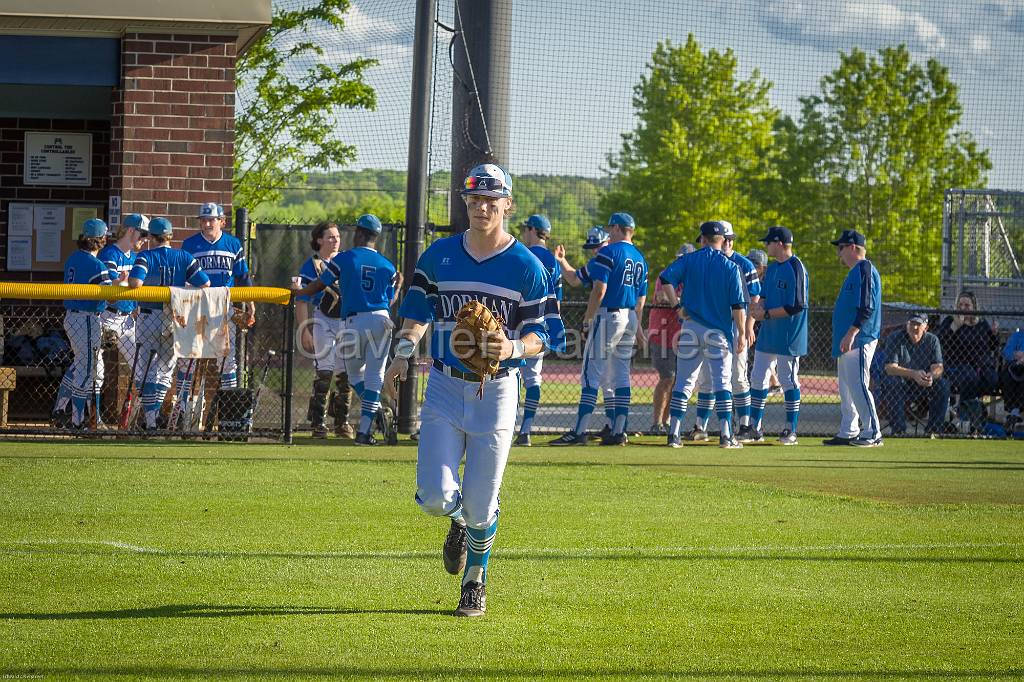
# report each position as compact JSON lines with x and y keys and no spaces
{"x":969,"y":346}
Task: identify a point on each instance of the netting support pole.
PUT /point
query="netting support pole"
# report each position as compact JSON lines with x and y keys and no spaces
{"x":417,"y":178}
{"x":242,"y":232}
{"x":289,"y":362}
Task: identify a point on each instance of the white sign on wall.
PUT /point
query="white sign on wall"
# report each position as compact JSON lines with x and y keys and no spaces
{"x":58,"y":158}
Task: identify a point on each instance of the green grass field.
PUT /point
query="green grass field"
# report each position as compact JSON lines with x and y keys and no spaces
{"x":243,"y":561}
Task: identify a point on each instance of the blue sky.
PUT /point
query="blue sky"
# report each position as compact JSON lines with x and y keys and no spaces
{"x":575,"y":63}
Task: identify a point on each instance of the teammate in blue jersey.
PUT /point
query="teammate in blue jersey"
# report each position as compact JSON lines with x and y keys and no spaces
{"x":534,"y":234}
{"x":782,"y":340}
{"x":320,"y":335}
{"x":368,"y":283}
{"x":221,"y":257}
{"x":613,"y":321}
{"x":459,"y":419}
{"x":161,"y":266}
{"x":856,"y":323}
{"x":82,"y":322}
{"x":740,"y":383}
{"x":714,"y":298}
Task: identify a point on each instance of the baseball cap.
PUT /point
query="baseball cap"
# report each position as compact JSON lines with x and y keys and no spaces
{"x":94,"y":227}
{"x":685,"y":249}
{"x":370,"y":222}
{"x":137,"y":221}
{"x":850,"y":237}
{"x":919,"y":318}
{"x":622,"y":220}
{"x":729,"y":232}
{"x":758,"y":257}
{"x":596,"y":237}
{"x":777,"y":233}
{"x":488,"y":180}
{"x":538,"y":222}
{"x":160,"y":226}
{"x":211,"y":210}
{"x":713,"y":228}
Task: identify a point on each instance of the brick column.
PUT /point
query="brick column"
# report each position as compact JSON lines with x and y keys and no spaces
{"x":172,"y":135}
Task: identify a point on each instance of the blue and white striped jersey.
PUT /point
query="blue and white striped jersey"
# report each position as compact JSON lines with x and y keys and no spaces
{"x":511,"y":282}
{"x":164,"y":266}
{"x":712,"y":287}
{"x":117,"y":261}
{"x":786,"y":285}
{"x":82,"y":267}
{"x":859,"y":304}
{"x":748,"y":272}
{"x":623,"y":268}
{"x":366,"y":279}
{"x":223,"y":260}
{"x":547,"y":259}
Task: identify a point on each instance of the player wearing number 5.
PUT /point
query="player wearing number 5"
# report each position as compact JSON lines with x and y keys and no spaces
{"x":368,"y":283}
{"x":460,"y":417}
{"x":619,"y":273}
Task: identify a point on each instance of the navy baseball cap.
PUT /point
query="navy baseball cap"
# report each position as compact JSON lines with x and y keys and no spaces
{"x":137,"y":221}
{"x":758,"y":257}
{"x":685,"y":249}
{"x":850,"y":237}
{"x":488,"y":180}
{"x":714,"y":228}
{"x":370,"y":222}
{"x":94,"y":227}
{"x":919,"y":318}
{"x":160,"y":226}
{"x":778,"y":233}
{"x":596,"y":237}
{"x":538,"y":222}
{"x":622,"y":220}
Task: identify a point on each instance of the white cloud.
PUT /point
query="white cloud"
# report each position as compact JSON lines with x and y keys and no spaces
{"x":981,"y":43}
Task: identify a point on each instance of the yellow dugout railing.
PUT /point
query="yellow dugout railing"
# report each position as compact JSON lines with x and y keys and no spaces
{"x":95,"y":292}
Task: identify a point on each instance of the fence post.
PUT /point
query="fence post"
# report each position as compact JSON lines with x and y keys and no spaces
{"x":242,"y":232}
{"x":289,"y":362}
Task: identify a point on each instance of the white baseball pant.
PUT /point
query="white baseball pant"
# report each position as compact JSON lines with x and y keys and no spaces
{"x":83,"y":330}
{"x":857,"y":413}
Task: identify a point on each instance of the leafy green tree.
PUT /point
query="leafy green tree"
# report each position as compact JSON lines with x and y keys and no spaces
{"x":875,"y":151}
{"x":285,"y":125}
{"x":702,"y":141}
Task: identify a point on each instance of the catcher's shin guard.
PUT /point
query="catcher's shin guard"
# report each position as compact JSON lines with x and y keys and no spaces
{"x":342,"y":401}
{"x":318,"y":401}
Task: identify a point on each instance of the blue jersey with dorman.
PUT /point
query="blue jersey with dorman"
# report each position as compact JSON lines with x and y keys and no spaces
{"x":366,"y":279}
{"x":748,"y":272}
{"x":166,"y":267}
{"x":859,"y":304}
{"x":118,"y":262}
{"x":223,"y":260}
{"x":82,"y":267}
{"x":511,"y":282}
{"x":622,"y":267}
{"x":310,"y":271}
{"x":547,"y":259}
{"x":712,"y":287}
{"x":786,"y":285}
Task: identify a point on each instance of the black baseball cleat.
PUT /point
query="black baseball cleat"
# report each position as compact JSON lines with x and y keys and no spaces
{"x":523,"y":439}
{"x":675,"y":441}
{"x":697,"y":434}
{"x":867,"y":442}
{"x":365,"y":439}
{"x":474,"y":600}
{"x":836,"y":440}
{"x":454,"y":551}
{"x":602,"y":434}
{"x":729,"y":442}
{"x":570,"y":438}
{"x":615,"y":439}
{"x":319,"y":432}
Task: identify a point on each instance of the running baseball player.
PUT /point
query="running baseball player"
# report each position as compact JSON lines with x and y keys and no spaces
{"x":612,"y":321}
{"x":164,"y":266}
{"x":534,"y":234}
{"x":321,"y":335}
{"x":740,"y":384}
{"x":488,"y":265}
{"x":221,"y":257}
{"x":856,"y":323}
{"x":782,"y":340}
{"x":715,"y":300}
{"x":82,"y":322}
{"x":369,"y":284}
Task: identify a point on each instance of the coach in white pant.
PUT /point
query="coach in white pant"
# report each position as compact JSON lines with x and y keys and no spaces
{"x":856,"y":323}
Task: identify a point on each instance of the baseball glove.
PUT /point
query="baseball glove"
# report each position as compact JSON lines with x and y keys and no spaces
{"x":240,"y":316}
{"x":472,"y":322}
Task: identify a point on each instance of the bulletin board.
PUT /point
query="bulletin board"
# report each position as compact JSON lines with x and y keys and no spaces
{"x":41,"y":236}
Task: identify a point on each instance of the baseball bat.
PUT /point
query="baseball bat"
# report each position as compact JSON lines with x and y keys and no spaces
{"x":172,"y":422}
{"x":126,"y":408}
{"x":198,"y":397}
{"x":263,"y":382}
{"x":211,"y":413}
{"x":134,"y":416}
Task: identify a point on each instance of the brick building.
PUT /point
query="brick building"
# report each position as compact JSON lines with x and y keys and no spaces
{"x":111,"y":107}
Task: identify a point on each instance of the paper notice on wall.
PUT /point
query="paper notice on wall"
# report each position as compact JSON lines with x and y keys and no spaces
{"x":48,"y":244}
{"x":79,"y":216}
{"x":49,"y":217}
{"x":19,"y":220}
{"x":19,"y":253}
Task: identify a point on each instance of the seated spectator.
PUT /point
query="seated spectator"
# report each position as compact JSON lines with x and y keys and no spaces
{"x":1012,"y":379}
{"x":969,"y":347}
{"x":913,"y":369}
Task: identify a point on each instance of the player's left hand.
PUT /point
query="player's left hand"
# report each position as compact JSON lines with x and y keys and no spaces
{"x":496,"y":346}
{"x":757,"y":310}
{"x":846,"y":345}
